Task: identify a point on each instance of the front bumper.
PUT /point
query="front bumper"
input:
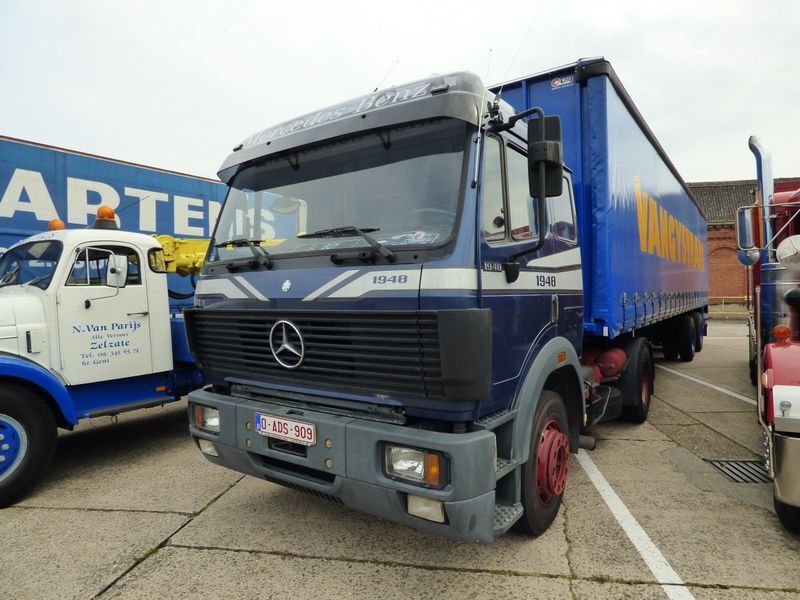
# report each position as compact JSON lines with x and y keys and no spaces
{"x":786,"y":454}
{"x":346,"y":464}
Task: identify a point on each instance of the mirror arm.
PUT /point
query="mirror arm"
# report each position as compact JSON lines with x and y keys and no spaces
{"x":512,"y":120}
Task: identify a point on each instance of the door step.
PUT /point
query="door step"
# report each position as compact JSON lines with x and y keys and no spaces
{"x":505,"y":515}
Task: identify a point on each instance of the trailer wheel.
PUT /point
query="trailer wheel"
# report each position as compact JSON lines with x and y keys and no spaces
{"x":544,"y":475}
{"x":27,"y":441}
{"x":698,"y":331}
{"x":686,"y":337}
{"x":636,"y":383}
{"x":788,"y":515}
{"x":669,"y":340}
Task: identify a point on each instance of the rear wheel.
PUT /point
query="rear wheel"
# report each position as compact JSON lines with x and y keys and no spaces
{"x":686,"y":337}
{"x":544,"y":475}
{"x":698,"y":331}
{"x":27,"y":441}
{"x":636,"y":383}
{"x":669,"y":340}
{"x":789,"y":516}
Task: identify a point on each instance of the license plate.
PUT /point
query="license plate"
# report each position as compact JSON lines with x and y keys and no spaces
{"x":286,"y":429}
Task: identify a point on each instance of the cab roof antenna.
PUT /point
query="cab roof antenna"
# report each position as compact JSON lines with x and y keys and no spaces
{"x":385,"y":77}
{"x":513,"y":60}
{"x":481,"y":108}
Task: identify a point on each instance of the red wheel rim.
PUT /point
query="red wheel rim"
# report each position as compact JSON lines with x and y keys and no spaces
{"x":552,"y":462}
{"x":645,"y":386}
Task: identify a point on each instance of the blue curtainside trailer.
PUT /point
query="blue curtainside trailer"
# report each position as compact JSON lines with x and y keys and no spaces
{"x":458,"y":292}
{"x":643,"y":237}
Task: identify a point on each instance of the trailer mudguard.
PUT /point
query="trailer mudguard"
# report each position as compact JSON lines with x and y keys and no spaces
{"x":13,"y":367}
{"x":527,"y":399}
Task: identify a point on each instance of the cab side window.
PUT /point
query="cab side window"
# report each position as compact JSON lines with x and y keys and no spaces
{"x":523,"y":209}
{"x":493,"y":217}
{"x":561,"y":214}
{"x":90,"y":266}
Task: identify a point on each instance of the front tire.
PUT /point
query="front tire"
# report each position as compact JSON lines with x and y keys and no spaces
{"x":544,"y":475}
{"x":788,"y":515}
{"x":29,"y":436}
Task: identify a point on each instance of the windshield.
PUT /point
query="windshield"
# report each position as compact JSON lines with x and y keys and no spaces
{"x":400,"y":184}
{"x":33,"y":263}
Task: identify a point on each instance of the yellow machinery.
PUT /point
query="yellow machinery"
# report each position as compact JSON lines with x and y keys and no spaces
{"x":182,"y":255}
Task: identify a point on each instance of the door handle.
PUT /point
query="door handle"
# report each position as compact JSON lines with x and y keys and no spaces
{"x":144,"y":313}
{"x":554,"y":308}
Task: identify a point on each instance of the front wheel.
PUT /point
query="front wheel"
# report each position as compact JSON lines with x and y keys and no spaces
{"x":788,"y":515}
{"x":544,"y":475}
{"x":27,"y":441}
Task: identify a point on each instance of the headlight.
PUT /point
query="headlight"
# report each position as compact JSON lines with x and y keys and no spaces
{"x":423,"y":467}
{"x":206,"y":418}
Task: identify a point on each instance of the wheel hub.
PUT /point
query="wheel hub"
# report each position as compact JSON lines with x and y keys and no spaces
{"x":552,"y":462}
{"x":13,"y":445}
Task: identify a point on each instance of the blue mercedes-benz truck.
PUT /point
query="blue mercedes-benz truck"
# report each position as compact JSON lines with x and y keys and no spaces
{"x":415,"y":302}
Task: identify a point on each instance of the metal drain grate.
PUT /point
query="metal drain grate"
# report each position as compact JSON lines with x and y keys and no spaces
{"x":742,"y":471}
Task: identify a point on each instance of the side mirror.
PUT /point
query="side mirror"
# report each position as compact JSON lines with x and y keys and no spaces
{"x":749,"y":253}
{"x":789,"y":253}
{"x":544,"y":148}
{"x":116,"y":271}
{"x":745,"y":239}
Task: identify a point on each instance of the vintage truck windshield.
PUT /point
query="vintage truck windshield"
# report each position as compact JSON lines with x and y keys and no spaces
{"x":401,"y":184}
{"x":33,"y":264}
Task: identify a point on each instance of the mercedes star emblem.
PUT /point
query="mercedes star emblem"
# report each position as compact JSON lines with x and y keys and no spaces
{"x":287,"y":285}
{"x":286,"y":344}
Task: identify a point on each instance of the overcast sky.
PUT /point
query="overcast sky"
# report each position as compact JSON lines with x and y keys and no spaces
{"x":178,"y":84}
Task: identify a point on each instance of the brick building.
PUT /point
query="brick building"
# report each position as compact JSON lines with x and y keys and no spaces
{"x":719,"y":200}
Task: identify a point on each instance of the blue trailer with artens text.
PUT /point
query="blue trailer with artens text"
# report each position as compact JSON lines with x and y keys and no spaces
{"x":475,"y":280}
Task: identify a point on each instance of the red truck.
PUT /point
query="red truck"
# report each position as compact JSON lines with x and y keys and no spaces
{"x":768,"y":237}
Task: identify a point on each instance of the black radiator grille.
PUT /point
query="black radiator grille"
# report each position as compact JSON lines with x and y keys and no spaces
{"x":392,"y":353}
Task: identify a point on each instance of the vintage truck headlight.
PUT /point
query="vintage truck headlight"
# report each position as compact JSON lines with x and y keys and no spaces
{"x":422,"y":467}
{"x":206,"y":418}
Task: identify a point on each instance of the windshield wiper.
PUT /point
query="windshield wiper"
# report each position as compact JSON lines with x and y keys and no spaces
{"x":260,"y":256}
{"x":8,"y":278}
{"x":38,"y":279}
{"x":350,"y":230}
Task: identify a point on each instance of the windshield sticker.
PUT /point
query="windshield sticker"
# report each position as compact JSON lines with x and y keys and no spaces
{"x":316,"y":246}
{"x":411,"y":237}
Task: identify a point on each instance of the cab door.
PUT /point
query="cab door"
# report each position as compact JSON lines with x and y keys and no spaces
{"x":104,"y":331}
{"x":525,"y":310}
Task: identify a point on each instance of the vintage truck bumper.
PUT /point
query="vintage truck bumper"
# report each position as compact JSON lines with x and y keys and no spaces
{"x":786,"y":453}
{"x":346,"y":463}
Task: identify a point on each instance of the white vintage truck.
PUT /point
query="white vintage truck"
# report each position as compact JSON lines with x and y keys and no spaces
{"x":86,"y":329}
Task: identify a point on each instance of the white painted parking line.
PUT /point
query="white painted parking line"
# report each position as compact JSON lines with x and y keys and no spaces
{"x":709,"y":385}
{"x":738,"y":337}
{"x":665,"y":575}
